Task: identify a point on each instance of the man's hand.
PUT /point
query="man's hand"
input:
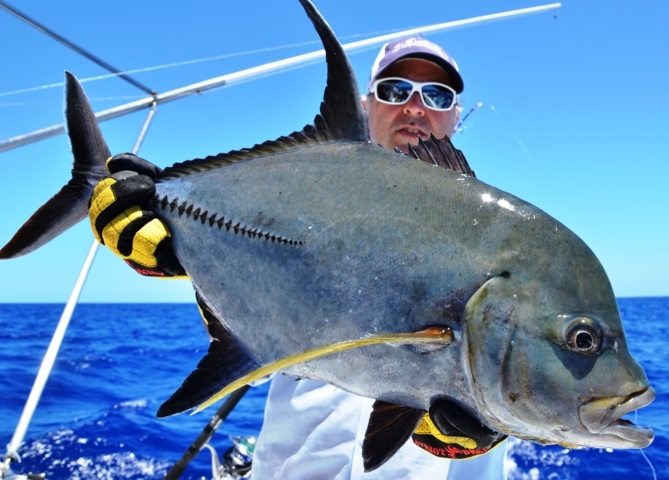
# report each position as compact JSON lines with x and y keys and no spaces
{"x":122,"y":221}
{"x":450,"y":432}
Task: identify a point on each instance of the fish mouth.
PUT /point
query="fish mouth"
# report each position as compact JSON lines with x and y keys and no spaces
{"x":602,"y":417}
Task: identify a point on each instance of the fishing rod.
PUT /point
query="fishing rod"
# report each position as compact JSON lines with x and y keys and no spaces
{"x":179,"y":467}
{"x":458,"y":127}
{"x":270,"y":68}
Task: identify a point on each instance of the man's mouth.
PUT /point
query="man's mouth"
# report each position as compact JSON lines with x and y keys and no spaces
{"x":413,"y":132}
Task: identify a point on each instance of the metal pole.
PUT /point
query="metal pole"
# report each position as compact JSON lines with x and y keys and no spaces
{"x":255,"y":72}
{"x":57,"y":339}
{"x":49,"y":359}
{"x":144,"y":130}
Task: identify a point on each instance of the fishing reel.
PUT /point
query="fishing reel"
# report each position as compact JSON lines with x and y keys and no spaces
{"x":237,"y":460}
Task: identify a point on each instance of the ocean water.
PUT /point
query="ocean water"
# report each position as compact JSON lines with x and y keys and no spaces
{"x":96,"y":418}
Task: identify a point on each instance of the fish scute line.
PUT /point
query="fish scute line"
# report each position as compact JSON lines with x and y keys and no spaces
{"x":204,"y":217}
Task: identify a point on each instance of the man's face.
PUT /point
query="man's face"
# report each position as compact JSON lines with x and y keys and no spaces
{"x":396,"y":125}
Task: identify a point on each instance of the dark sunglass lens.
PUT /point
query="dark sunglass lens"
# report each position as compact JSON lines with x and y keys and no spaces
{"x":436,"y":96}
{"x":393,"y":91}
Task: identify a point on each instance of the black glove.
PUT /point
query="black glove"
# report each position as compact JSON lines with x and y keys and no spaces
{"x":122,"y":221}
{"x":449,"y":431}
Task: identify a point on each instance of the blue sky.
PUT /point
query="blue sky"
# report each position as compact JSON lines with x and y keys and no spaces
{"x":574,"y":113}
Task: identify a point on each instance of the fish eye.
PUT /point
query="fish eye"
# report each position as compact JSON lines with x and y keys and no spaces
{"x":583,"y":336}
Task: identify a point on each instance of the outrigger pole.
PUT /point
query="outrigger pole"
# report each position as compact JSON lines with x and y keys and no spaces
{"x":273,"y":67}
{"x":47,"y":31}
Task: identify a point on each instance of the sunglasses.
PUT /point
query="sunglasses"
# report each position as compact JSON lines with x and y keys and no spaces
{"x":397,"y":91}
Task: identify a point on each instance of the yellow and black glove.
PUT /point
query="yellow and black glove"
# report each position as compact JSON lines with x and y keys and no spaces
{"x":448,"y":431}
{"x":122,"y":221}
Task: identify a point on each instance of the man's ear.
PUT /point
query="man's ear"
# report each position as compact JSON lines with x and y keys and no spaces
{"x":363,"y":99}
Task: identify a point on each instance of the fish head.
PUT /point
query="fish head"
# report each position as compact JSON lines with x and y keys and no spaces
{"x":547,"y":355}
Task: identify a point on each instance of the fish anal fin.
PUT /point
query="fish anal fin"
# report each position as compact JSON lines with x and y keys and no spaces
{"x":224,"y":363}
{"x":441,"y":152}
{"x":390,"y":426}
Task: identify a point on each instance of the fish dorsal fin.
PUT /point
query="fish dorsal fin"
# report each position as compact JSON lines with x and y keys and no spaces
{"x":308,"y":136}
{"x":390,"y":426}
{"x":341,"y":118}
{"x":441,"y":152}
{"x":224,"y":363}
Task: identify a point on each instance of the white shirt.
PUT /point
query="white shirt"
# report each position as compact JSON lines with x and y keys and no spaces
{"x":313,"y":431}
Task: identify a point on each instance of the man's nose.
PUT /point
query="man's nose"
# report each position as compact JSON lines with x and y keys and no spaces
{"x":414,"y":106}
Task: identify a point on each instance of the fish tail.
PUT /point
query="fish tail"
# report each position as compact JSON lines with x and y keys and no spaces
{"x":70,"y":205}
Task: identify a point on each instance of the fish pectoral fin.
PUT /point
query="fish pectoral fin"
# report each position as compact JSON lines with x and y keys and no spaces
{"x":389,"y":427}
{"x":435,"y":336}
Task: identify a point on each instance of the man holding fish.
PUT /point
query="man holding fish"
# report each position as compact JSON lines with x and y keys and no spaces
{"x":315,"y":430}
{"x":312,"y":429}
{"x":326,"y":241}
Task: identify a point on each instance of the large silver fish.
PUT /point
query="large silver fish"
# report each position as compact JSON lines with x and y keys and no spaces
{"x":323,"y":237}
